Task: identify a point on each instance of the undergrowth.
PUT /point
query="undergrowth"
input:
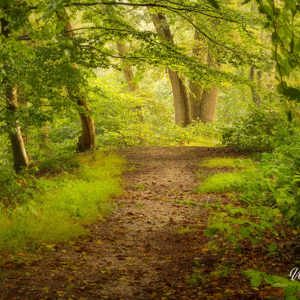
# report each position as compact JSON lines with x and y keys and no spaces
{"x":61,"y":205}
{"x":263,"y":210}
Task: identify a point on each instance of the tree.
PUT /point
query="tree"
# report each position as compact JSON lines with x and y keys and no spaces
{"x":87,"y":139}
{"x":20,"y":156}
{"x":180,"y":96}
{"x":127,"y":69}
{"x":203,"y":100}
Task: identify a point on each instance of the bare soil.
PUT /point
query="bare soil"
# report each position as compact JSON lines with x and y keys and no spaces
{"x":148,"y":248}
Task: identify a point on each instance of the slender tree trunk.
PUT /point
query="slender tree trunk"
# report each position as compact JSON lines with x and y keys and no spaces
{"x":254,"y":74}
{"x":180,"y":97}
{"x":20,"y":157}
{"x":87,"y":139}
{"x":127,"y":69}
{"x":255,"y":77}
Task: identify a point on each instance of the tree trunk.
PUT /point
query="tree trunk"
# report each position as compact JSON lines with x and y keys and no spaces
{"x":195,"y":100}
{"x":255,"y":77}
{"x":209,"y":96}
{"x":208,"y":105}
{"x":87,"y":139}
{"x":20,"y":156}
{"x":254,"y":74}
{"x":195,"y":88}
{"x":180,"y":97}
{"x":127,"y":69}
{"x":203,"y":101}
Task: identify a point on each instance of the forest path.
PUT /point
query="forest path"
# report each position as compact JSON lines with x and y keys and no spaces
{"x":145,"y":250}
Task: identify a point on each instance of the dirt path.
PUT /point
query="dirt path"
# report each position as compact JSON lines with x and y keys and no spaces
{"x":145,"y":250}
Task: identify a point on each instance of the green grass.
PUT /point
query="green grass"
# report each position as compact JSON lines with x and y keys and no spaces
{"x":222,"y":182}
{"x":234,"y":181}
{"x":64,"y":204}
{"x":202,"y":141}
{"x":227,"y":162}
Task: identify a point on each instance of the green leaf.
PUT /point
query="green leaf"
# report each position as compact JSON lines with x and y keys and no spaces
{"x":255,"y":277}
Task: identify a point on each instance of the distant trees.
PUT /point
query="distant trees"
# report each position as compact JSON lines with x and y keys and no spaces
{"x":198,"y":103}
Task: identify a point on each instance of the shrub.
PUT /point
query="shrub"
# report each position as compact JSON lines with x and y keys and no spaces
{"x":262,"y":130}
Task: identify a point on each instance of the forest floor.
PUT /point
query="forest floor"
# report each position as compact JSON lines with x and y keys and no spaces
{"x":147,"y":249}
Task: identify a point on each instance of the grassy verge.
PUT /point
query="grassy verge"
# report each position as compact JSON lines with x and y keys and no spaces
{"x":61,"y":205}
{"x":234,"y":179}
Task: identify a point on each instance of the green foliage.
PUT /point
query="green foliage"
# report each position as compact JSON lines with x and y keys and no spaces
{"x":261,"y":130}
{"x":236,"y":223}
{"x":281,"y":168}
{"x":282,"y":17}
{"x":291,"y":288}
{"x":125,"y":119}
{"x":11,"y":186}
{"x":269,"y":191}
{"x":57,"y":164}
{"x":62,"y":205}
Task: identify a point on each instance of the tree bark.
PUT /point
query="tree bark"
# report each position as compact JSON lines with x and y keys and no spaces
{"x":208,"y":105}
{"x":180,"y":97}
{"x":203,"y":101}
{"x":127,"y":69}
{"x":20,"y":157}
{"x":87,"y":140}
{"x":195,"y":95}
{"x":180,"y":100}
{"x":209,"y":96}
